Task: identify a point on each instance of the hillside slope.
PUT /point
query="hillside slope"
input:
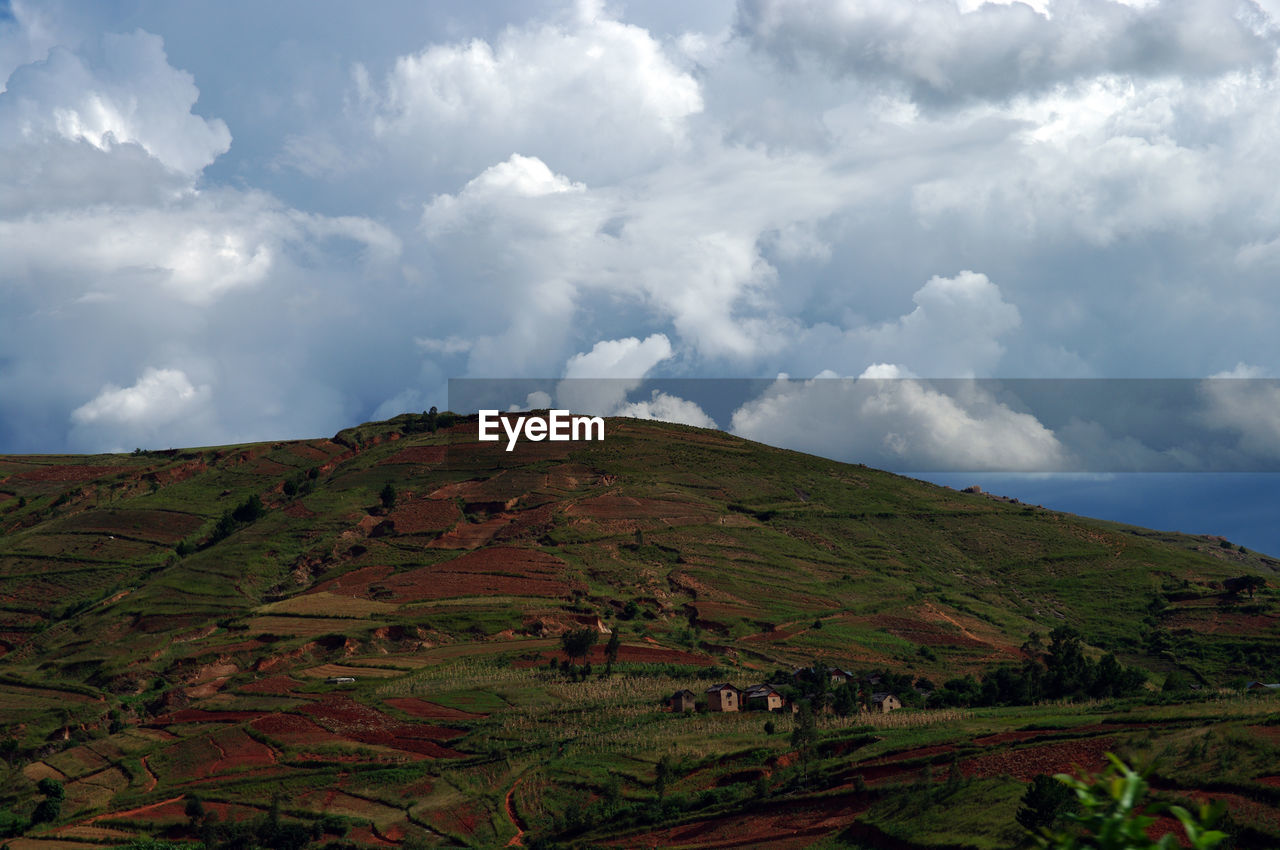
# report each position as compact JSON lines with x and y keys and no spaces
{"x":170,"y":618}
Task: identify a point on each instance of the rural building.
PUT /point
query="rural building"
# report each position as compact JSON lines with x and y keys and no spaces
{"x":723,"y":697}
{"x":763,"y":698}
{"x":682,"y":700}
{"x":884,"y":702}
{"x":339,"y":680}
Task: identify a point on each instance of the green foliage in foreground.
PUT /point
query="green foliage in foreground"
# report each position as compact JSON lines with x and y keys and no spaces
{"x":1113,"y":816}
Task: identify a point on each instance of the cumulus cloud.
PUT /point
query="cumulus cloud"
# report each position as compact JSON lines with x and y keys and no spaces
{"x":941,"y":53}
{"x":667,"y":408}
{"x":158,"y":399}
{"x":900,"y":424}
{"x":132,"y":96}
{"x":597,"y":381}
{"x":585,"y":89}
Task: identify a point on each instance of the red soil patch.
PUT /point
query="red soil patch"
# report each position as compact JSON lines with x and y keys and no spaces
{"x":274,"y":685}
{"x":1273,"y":781}
{"x":628,"y":507}
{"x":790,"y":825}
{"x":420,"y":516}
{"x":924,"y":633}
{"x":70,"y":472}
{"x":430,"y":710}
{"x":499,"y":571}
{"x":152,"y":525}
{"x":199,"y":715}
{"x":471,"y":535}
{"x":222,"y":752}
{"x":344,"y":716}
{"x":297,"y":510}
{"x":460,"y":819}
{"x":1025,"y":763}
{"x":354,"y":583}
{"x":364,"y":835}
{"x":627,"y":652}
{"x":418,"y":454}
{"x":293,"y":729}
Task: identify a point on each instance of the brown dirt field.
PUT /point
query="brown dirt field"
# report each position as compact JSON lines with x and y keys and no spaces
{"x":354,"y":583}
{"x":94,"y":834}
{"x":344,"y":716}
{"x":294,"y":729}
{"x":297,"y":510}
{"x":498,"y":571}
{"x":340,"y":803}
{"x":460,"y":819}
{"x":471,"y":535}
{"x":627,"y":507}
{"x":160,"y":526}
{"x":789,"y":825}
{"x":216,"y":754}
{"x":431,"y":711}
{"x":627,"y":652}
{"x":273,"y":685}
{"x":1026,"y":762}
{"x":317,"y":451}
{"x":1226,"y":622}
{"x":70,"y":472}
{"x":199,"y":715}
{"x":428,"y":455}
{"x":924,"y":633}
{"x":422,"y":516}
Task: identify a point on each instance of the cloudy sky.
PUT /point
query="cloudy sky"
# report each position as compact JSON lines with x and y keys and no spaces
{"x":238,"y":221}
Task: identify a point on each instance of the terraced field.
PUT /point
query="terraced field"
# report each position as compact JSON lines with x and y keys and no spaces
{"x":155,"y":649}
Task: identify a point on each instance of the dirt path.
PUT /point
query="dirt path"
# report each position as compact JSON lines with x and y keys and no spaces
{"x":517,"y":840}
{"x":132,"y":812}
{"x":151,"y":776}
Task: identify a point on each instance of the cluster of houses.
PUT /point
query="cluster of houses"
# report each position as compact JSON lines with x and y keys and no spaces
{"x":767,"y":697}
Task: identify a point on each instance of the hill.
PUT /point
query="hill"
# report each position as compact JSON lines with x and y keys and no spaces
{"x":169,"y":621}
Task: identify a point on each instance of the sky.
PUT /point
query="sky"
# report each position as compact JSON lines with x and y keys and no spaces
{"x":234,"y":221}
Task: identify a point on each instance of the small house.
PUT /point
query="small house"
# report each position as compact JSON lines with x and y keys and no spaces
{"x":884,"y":702}
{"x":339,"y":680}
{"x":682,"y":700}
{"x":763,"y":698}
{"x":724,"y":697}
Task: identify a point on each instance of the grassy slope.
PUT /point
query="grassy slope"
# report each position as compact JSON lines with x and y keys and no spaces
{"x":734,"y":553}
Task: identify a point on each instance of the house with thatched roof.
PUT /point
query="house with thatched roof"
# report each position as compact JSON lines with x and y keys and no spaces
{"x":683,"y":700}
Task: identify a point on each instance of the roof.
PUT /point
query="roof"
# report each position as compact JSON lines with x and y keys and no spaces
{"x":682,"y":692}
{"x":881,"y":696}
{"x":1263,"y":685}
{"x":725,"y":686}
{"x":756,"y":691}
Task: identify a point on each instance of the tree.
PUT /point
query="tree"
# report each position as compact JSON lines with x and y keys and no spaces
{"x":804,"y":735}
{"x":576,"y":643}
{"x":663,"y":775}
{"x":611,"y":650}
{"x":1043,"y":803}
{"x":50,"y":807}
{"x":388,"y":496}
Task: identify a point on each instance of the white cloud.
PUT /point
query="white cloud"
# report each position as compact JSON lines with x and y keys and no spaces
{"x":941,"y":52}
{"x":900,"y":424}
{"x":667,"y":408}
{"x":132,"y":96}
{"x":158,"y":396}
{"x":585,"y":89}
{"x":619,"y":358}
